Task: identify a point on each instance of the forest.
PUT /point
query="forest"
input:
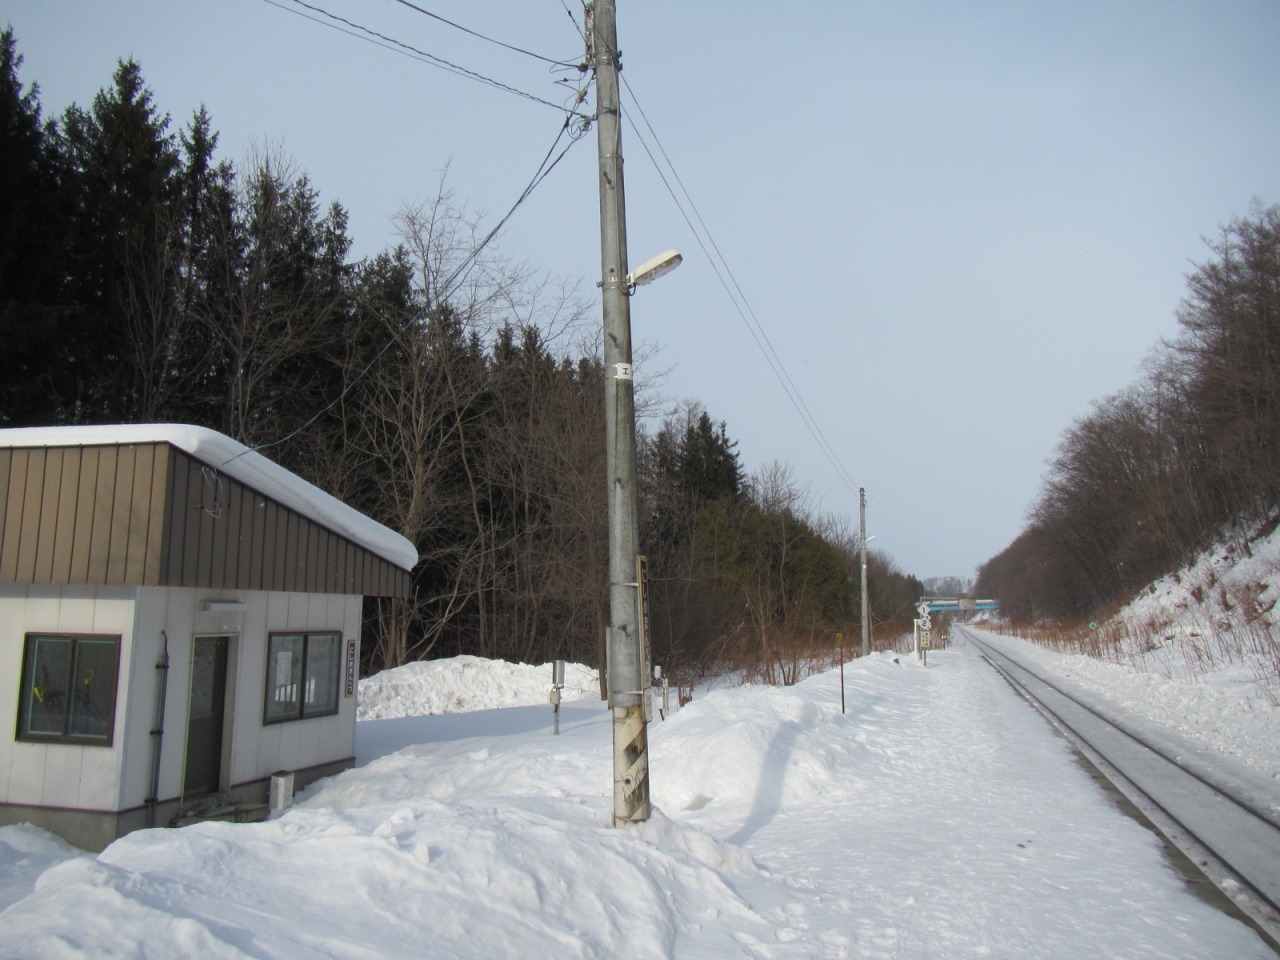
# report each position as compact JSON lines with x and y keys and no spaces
{"x":456,"y":398}
{"x":1187,"y":454}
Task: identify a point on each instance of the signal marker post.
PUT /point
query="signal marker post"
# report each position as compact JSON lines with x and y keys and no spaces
{"x":557,"y":684}
{"x":840,"y":650}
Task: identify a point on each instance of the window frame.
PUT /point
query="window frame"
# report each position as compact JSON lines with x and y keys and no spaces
{"x":24,"y":694}
{"x":303,"y":713}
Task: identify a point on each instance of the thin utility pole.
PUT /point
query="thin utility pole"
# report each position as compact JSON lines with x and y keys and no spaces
{"x":862,"y":536}
{"x":630,"y":738}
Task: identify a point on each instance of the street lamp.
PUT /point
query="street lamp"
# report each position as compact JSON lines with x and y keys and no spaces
{"x":651,"y":270}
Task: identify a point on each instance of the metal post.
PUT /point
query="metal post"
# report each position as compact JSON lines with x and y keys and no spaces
{"x":862,"y":536}
{"x":840,"y":650}
{"x":626,"y":679}
{"x":557,"y":684}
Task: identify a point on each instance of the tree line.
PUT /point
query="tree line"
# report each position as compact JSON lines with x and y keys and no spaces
{"x":1165,"y":466}
{"x":143,"y":279}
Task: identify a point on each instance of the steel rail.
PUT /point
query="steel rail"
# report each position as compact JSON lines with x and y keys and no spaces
{"x":1224,"y":792}
{"x":1266,"y":918}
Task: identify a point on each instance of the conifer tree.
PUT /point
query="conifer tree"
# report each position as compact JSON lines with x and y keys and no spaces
{"x":32,"y":241}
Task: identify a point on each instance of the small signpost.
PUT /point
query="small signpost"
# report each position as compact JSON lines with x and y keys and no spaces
{"x":557,"y":684}
{"x":353,"y":669}
{"x":840,"y":651}
{"x":922,"y":632}
{"x":666,"y":692}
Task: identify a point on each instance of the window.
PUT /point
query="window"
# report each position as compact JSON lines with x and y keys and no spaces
{"x":302,"y":676}
{"x":68,"y":690}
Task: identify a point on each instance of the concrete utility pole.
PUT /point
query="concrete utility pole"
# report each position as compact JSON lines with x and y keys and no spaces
{"x":862,"y":536}
{"x":626,"y":680}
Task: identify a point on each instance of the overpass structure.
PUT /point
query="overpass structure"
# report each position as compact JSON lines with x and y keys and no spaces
{"x":959,"y":604}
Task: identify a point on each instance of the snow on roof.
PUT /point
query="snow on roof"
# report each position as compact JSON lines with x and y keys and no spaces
{"x":240,"y":463}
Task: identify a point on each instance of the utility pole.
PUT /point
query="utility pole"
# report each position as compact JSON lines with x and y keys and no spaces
{"x":862,"y":536}
{"x":626,"y":680}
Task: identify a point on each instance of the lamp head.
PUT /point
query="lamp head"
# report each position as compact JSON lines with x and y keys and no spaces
{"x":651,"y":270}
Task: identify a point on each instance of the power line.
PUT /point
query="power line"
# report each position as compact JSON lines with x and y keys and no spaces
{"x":333,"y":21}
{"x":753,"y":325}
{"x":767,"y":348}
{"x":468,"y":30}
{"x":574,"y":20}
{"x":445,"y":290}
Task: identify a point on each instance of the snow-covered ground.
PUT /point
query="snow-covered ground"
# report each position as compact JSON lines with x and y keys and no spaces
{"x":467,"y":684}
{"x":940,"y":817}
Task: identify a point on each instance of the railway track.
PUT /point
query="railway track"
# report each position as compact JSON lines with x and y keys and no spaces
{"x":1229,"y":831}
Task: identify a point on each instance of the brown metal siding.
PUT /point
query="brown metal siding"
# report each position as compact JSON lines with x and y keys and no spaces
{"x":82,"y":537}
{"x":64,"y":526}
{"x":99,"y":519}
{"x":161,"y":494}
{"x":244,"y":540}
{"x":142,"y":513}
{"x":16,"y":484}
{"x":257,"y":528}
{"x":121,"y":493}
{"x":48,"y":511}
{"x":6,"y":460}
{"x":151,"y":515}
{"x":332,"y":545}
{"x":33,"y":490}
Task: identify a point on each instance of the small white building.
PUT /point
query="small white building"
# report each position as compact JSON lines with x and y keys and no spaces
{"x":179,"y":619}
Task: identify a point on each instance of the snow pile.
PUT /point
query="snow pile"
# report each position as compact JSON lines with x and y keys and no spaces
{"x":464,"y":684}
{"x":416,"y":879}
{"x":940,"y":817}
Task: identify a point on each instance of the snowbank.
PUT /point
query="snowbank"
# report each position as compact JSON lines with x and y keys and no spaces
{"x":465,"y":684}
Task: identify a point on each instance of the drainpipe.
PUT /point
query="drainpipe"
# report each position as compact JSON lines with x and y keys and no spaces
{"x":157,"y":733}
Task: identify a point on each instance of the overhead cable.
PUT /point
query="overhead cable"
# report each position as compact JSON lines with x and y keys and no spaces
{"x":336,"y":22}
{"x":740,"y":302}
{"x":468,"y":30}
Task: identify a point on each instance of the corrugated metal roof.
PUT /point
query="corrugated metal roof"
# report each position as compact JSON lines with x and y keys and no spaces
{"x":233,"y":459}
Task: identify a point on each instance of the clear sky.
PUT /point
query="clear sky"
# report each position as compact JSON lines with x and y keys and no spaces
{"x":959,"y":223}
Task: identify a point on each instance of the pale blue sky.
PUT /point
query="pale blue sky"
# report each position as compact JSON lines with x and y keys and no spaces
{"x":959,"y":222}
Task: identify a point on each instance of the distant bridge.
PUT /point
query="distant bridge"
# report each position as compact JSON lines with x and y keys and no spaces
{"x":959,"y":604}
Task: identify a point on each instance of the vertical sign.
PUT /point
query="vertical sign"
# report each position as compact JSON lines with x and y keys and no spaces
{"x":646,"y":657}
{"x":352,"y":669}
